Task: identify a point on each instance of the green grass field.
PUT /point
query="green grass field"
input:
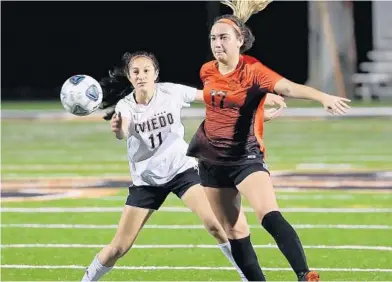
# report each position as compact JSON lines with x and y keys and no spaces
{"x":342,"y":240}
{"x":79,"y":148}
{"x":326,"y":247}
{"x":292,"y":103}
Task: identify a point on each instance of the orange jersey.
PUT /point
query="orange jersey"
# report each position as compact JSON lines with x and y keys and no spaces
{"x":233,"y":128}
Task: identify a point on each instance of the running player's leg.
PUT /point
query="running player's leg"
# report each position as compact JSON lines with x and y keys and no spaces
{"x":195,"y":199}
{"x":186,"y":186}
{"x":254,"y":182}
{"x":225,"y":202}
{"x":226,"y":205}
{"x":139,"y":207}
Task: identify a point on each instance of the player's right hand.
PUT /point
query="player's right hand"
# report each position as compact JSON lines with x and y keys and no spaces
{"x":116,"y":123}
{"x":335,"y":105}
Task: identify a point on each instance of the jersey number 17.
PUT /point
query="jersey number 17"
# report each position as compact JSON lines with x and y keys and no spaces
{"x":218,"y":98}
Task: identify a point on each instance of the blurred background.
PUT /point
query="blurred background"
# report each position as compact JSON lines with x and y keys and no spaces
{"x":320,"y":43}
{"x":64,"y":178}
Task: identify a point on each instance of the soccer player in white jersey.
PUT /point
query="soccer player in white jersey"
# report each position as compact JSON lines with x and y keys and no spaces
{"x":148,"y":118}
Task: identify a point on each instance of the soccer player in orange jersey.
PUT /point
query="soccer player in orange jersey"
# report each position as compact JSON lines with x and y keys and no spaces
{"x":229,"y":146}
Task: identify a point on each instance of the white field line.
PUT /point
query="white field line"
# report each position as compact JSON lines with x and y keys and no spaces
{"x":292,"y":197}
{"x":190,"y":268}
{"x":269,"y":246}
{"x":184,"y":209}
{"x":159,"y":226}
{"x":280,"y":197}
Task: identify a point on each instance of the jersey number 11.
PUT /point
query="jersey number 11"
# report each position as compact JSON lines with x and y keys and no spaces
{"x":152,"y":139}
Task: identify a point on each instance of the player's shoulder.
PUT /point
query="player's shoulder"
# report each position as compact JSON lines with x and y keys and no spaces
{"x":127,"y":100}
{"x":126,"y":103}
{"x":208,"y":68}
{"x":168,"y":88}
{"x":254,"y":67}
{"x":125,"y":106}
{"x":252,"y":63}
{"x":249,"y":60}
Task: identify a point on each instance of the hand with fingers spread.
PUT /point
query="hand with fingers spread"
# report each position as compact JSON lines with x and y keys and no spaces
{"x":116,"y":125}
{"x":335,"y":105}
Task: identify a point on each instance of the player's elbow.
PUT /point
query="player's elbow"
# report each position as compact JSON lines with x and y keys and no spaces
{"x":285,"y":87}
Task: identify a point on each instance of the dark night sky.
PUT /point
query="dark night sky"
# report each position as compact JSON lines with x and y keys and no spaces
{"x":43,"y":43}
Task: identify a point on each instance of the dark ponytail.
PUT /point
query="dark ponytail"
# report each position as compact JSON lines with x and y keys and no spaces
{"x":117,"y":85}
{"x":114,"y":87}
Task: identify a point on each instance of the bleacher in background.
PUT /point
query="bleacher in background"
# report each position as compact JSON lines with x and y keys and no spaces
{"x":374,"y":79}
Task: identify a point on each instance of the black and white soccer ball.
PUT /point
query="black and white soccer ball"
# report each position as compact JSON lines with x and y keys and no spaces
{"x":81,"y":95}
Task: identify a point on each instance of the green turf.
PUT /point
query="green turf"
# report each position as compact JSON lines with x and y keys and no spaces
{"x":292,"y":103}
{"x":68,"y":148}
{"x":189,"y":218}
{"x":89,"y":148}
{"x":181,"y":275}
{"x":286,"y":199}
{"x":269,"y":258}
{"x":200,"y":257}
{"x":191,"y":236}
{"x":32,"y":105}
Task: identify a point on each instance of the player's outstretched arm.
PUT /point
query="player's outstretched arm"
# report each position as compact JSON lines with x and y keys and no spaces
{"x":270,"y":100}
{"x":333,"y":104}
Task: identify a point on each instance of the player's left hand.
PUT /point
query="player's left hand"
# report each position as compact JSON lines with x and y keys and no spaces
{"x":273,"y":99}
{"x":336,"y":105}
{"x":272,"y":113}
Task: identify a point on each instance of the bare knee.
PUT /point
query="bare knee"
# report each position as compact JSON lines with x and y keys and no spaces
{"x":262,"y":199}
{"x":111,"y":253}
{"x":237,"y":231}
{"x":115,"y":251}
{"x":260,"y":213}
{"x":215,"y":229}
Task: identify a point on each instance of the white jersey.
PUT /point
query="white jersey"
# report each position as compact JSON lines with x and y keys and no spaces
{"x":156,"y":145}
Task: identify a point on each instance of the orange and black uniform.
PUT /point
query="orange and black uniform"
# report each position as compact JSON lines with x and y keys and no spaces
{"x":229,"y":141}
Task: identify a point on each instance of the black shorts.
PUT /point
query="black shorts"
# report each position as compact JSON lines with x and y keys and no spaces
{"x":227,"y":176}
{"x":152,"y":197}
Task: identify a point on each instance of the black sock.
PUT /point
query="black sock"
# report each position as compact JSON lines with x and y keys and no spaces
{"x":246,"y":259}
{"x":287,"y":240}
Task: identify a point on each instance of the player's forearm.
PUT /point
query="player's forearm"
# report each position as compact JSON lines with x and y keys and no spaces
{"x":306,"y":92}
{"x":199,"y":96}
{"x":299,"y":91}
{"x":120,"y":135}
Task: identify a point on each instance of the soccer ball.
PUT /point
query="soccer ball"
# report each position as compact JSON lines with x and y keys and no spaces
{"x":81,"y":95}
